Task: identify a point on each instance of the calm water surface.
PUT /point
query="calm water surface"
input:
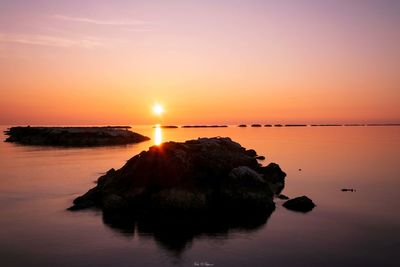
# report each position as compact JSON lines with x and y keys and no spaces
{"x":359,"y":228}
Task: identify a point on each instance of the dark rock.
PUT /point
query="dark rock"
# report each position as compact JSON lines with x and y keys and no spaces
{"x":110,"y":171}
{"x":205,"y":126}
{"x":218,"y":126}
{"x":244,"y":189}
{"x":274,"y":176}
{"x":113,"y":202}
{"x":348,"y":190}
{"x":251,"y":153}
{"x":282,"y":196}
{"x":256,"y":125}
{"x":89,"y":200}
{"x":242,"y":125}
{"x":260,"y":157}
{"x":195,"y":177}
{"x":303,"y":204}
{"x":268,"y":125}
{"x":74,"y":136}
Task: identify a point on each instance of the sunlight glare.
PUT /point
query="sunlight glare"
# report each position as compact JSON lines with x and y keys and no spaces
{"x":158,"y":109}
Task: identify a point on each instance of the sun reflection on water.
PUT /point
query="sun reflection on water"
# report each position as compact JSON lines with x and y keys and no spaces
{"x":157,"y":135}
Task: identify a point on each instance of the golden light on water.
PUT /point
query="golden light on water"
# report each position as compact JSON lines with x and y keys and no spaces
{"x":157,"y":135}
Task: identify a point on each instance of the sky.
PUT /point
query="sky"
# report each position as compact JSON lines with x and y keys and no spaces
{"x":209,"y":61}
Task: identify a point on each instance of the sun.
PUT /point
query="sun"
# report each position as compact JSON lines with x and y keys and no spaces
{"x":158,"y":109}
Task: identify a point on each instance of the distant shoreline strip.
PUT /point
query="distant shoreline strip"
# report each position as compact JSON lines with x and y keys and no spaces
{"x":256,"y":125}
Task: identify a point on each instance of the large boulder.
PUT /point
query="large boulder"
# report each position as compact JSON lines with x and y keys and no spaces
{"x":193,"y":177}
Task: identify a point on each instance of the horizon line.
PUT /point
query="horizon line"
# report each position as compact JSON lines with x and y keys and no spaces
{"x":211,"y":125}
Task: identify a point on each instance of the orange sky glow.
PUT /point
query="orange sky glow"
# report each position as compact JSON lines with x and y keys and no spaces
{"x":227,"y":62}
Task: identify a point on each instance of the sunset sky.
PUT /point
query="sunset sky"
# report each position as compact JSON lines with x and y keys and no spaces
{"x":205,"y":61}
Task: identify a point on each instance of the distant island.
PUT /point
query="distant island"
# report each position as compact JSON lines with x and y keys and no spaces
{"x":73,"y":136}
{"x":204,"y":126}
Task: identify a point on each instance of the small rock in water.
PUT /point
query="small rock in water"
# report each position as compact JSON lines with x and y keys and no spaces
{"x":303,"y":204}
{"x":299,"y":170}
{"x":348,"y":190}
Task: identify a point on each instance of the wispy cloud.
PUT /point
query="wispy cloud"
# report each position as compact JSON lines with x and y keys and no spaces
{"x":101,"y":22}
{"x":45,"y":40}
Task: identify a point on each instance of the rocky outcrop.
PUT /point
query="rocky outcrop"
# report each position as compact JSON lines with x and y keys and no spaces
{"x":207,"y":175}
{"x":73,"y":136}
{"x":178,"y":192}
{"x":303,"y":204}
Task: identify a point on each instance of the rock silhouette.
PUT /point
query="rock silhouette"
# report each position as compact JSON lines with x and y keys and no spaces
{"x":204,"y":126}
{"x":197,"y":176}
{"x":74,"y":136}
{"x":348,"y":190}
{"x":302,"y":204}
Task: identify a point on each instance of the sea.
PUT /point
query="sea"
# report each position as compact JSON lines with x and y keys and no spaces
{"x":346,"y":228}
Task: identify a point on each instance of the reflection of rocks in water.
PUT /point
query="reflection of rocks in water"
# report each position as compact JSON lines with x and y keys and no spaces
{"x":176,"y":233}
